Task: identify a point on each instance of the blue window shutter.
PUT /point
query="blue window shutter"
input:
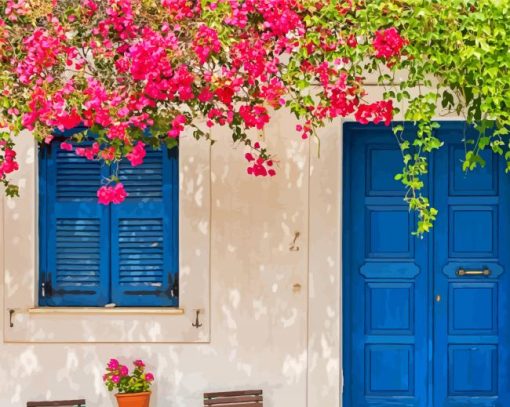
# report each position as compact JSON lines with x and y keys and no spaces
{"x":144,"y":230}
{"x":74,"y":244}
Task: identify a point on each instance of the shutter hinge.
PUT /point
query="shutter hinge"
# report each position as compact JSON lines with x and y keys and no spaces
{"x":174,"y":290}
{"x":46,"y":290}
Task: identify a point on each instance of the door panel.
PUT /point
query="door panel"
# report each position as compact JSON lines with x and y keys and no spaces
{"x":425,"y":319}
{"x":388,"y":274}
{"x":471,"y":275}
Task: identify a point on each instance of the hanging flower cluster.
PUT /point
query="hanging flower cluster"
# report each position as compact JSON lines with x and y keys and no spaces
{"x":259,"y":166}
{"x":111,"y":194}
{"x":8,"y":162}
{"x":388,"y":43}
{"x":138,"y":72}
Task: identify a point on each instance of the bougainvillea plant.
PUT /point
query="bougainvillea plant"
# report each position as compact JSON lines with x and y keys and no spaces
{"x":137,"y":73}
{"x":117,"y":377}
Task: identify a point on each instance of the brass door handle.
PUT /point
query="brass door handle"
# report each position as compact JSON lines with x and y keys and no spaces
{"x":462,"y":272}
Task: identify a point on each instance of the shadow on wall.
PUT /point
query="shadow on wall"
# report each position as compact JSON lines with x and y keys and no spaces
{"x":258,"y":316}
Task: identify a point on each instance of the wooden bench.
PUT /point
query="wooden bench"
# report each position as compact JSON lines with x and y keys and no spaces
{"x":245,"y":398}
{"x":61,"y":403}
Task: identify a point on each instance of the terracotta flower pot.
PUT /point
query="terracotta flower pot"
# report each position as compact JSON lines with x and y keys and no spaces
{"x":134,"y":399}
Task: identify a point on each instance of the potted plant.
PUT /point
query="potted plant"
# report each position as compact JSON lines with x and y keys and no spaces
{"x":133,"y":390}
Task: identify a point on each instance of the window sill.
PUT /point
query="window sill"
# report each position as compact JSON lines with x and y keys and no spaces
{"x":105,"y":311}
{"x":106,"y":325}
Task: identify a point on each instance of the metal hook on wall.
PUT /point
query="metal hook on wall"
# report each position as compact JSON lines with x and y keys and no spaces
{"x":293,"y":247}
{"x":11,"y":314}
{"x":197,"y":323}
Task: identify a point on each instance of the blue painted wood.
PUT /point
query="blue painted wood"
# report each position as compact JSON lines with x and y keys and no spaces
{"x":145,"y":233}
{"x":387,"y":363}
{"x":472,"y":332}
{"x":397,"y":300}
{"x":92,"y":254}
{"x":387,"y":269}
{"x":401,"y":346}
{"x":347,"y":258}
{"x":74,"y":266}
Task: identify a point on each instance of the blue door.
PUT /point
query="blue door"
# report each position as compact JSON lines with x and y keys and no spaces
{"x":425,"y":320}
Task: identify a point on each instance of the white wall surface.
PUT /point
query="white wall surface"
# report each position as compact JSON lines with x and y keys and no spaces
{"x":265,"y":332}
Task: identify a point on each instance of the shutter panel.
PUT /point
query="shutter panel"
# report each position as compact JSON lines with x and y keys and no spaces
{"x":74,"y":231}
{"x":145,"y":232}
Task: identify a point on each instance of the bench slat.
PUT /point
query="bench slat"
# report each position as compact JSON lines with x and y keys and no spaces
{"x":243,"y":398}
{"x":256,"y":404}
{"x":234,"y":399}
{"x":233,"y":393}
{"x":61,"y":403}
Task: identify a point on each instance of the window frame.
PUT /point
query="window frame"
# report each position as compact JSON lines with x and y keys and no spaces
{"x":108,"y":214}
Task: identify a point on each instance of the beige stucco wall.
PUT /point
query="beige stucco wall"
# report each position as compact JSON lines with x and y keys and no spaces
{"x":264,"y":332}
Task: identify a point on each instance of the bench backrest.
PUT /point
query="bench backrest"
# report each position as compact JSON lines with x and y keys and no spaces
{"x":245,"y":398}
{"x":61,"y":403}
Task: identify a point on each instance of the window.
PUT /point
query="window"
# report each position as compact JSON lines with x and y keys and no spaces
{"x":93,"y":255}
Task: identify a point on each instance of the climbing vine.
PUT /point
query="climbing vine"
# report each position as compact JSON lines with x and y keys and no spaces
{"x":457,"y":63}
{"x":137,"y":73}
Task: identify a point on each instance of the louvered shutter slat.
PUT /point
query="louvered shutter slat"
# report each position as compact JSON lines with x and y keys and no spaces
{"x":75,"y":231}
{"x":69,"y":186}
{"x":144,"y":233}
{"x":145,"y":181}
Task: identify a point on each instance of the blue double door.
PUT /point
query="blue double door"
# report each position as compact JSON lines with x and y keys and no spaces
{"x":426,"y":321}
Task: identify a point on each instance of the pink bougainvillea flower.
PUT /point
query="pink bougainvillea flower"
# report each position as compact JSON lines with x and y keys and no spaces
{"x":94,"y":150}
{"x":118,"y":131}
{"x":305,"y":129}
{"x":261,"y":167}
{"x":90,"y":5}
{"x":69,"y":120}
{"x":90,"y":153}
{"x":205,"y":95}
{"x":9,"y":163}
{"x":104,"y":197}
{"x":108,"y":154}
{"x":254,"y":116}
{"x":80,"y":151}
{"x":178,"y":9}
{"x":42,"y":50}
{"x":137,"y":154}
{"x":388,"y":43}
{"x":177,"y":126}
{"x":206,"y":43}
{"x":16,"y":8}
{"x":352,"y":41}
{"x":66,"y":146}
{"x":119,"y":193}
{"x":107,"y":195}
{"x":377,"y":112}
{"x":149,"y":377}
